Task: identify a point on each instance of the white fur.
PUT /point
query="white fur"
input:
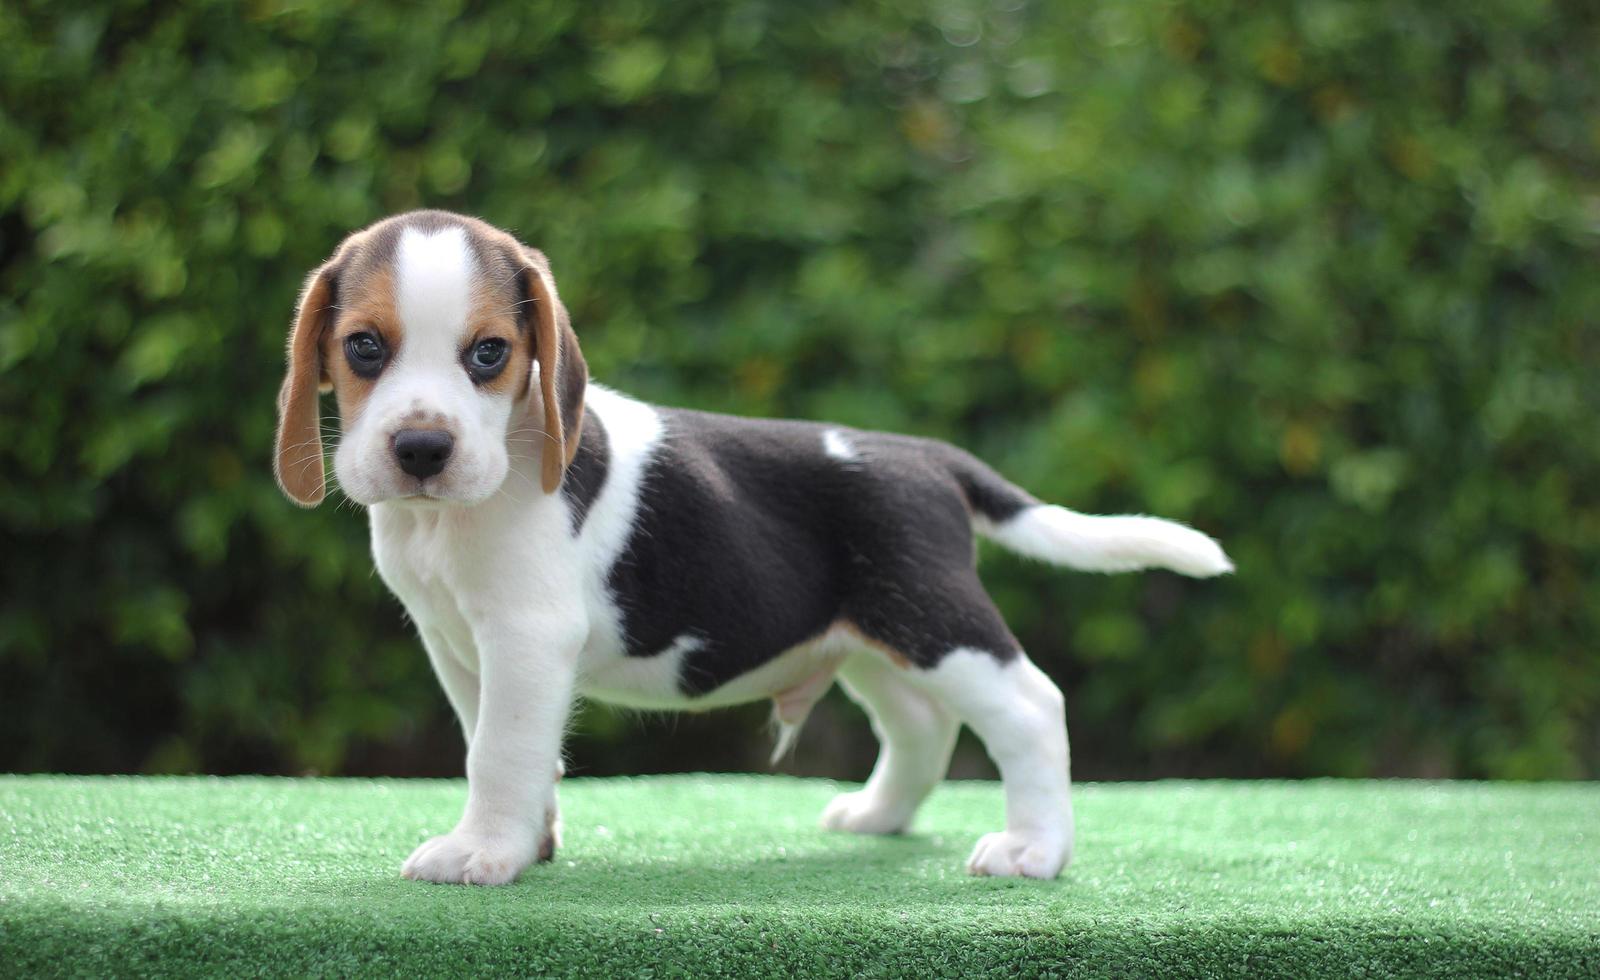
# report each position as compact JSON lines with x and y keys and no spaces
{"x":637,"y":682}
{"x":651,"y":683}
{"x":1021,"y":717}
{"x":917,"y":734}
{"x":433,"y":282}
{"x":1107,"y":544}
{"x":836,"y":445}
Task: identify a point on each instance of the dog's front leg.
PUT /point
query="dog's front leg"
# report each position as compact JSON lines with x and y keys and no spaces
{"x":526,"y":688}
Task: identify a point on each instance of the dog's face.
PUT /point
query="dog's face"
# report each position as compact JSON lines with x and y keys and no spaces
{"x":450,"y":355}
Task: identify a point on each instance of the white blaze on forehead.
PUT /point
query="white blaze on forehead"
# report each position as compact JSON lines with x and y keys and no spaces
{"x":433,"y":283}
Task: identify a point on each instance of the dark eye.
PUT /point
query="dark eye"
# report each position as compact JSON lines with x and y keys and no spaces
{"x":486,"y":357}
{"x":365,"y":353}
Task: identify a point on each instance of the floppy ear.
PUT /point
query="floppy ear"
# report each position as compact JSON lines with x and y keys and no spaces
{"x":297,"y":458}
{"x":563,"y":373}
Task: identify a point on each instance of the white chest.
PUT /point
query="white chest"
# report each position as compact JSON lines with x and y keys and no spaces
{"x":413,"y":556}
{"x":462,"y":572}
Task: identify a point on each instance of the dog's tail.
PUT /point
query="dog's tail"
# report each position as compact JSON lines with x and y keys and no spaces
{"x":1013,"y":518}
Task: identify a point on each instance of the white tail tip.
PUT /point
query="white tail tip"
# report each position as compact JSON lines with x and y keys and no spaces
{"x":1110,"y":544}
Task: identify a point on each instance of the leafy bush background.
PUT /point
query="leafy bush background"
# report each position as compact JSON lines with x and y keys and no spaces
{"x":1319,"y":279}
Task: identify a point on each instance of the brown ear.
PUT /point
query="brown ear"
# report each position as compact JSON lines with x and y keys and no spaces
{"x":298,"y":456}
{"x":563,"y":373}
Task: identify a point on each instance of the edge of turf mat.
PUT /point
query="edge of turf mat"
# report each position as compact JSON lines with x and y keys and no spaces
{"x":727,"y":875}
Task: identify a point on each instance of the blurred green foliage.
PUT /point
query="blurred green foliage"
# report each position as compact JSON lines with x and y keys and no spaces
{"x":1318,"y":277}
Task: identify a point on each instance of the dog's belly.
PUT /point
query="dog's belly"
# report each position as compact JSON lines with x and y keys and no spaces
{"x":794,"y":678}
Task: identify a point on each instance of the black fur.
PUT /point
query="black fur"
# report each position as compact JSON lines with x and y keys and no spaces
{"x":987,"y":492}
{"x":753,"y":539}
{"x":586,"y":476}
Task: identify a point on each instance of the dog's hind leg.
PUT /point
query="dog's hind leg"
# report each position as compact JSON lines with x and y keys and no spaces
{"x":916,"y":735}
{"x":919,"y":596}
{"x":1020,"y":716}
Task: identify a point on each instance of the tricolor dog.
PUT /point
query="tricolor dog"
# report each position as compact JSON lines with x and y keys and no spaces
{"x":554,"y":539}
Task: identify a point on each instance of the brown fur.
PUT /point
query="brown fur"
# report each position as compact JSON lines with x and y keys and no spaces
{"x":496,"y":319}
{"x":297,"y":459}
{"x":562,"y":370}
{"x":366,"y":305}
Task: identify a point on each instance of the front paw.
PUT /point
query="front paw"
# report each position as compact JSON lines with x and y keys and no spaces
{"x":466,"y":858}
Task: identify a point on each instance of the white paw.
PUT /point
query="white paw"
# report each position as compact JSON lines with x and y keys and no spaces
{"x":861,"y":813}
{"x":472,"y":859}
{"x":1011,"y":854}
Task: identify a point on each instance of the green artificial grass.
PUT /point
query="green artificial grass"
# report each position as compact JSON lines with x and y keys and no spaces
{"x":729,"y":876}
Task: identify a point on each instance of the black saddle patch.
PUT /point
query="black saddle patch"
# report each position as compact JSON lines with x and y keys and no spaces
{"x":754,"y":540}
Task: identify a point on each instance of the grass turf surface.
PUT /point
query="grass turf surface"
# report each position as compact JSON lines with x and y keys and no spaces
{"x":727,"y":875}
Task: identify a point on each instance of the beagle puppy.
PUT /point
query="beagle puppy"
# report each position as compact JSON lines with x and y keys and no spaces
{"x":554,"y":539}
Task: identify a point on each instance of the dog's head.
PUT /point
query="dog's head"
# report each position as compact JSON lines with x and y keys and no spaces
{"x":447,"y":348}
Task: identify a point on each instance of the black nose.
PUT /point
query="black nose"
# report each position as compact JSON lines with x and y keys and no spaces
{"x":422,"y":452}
